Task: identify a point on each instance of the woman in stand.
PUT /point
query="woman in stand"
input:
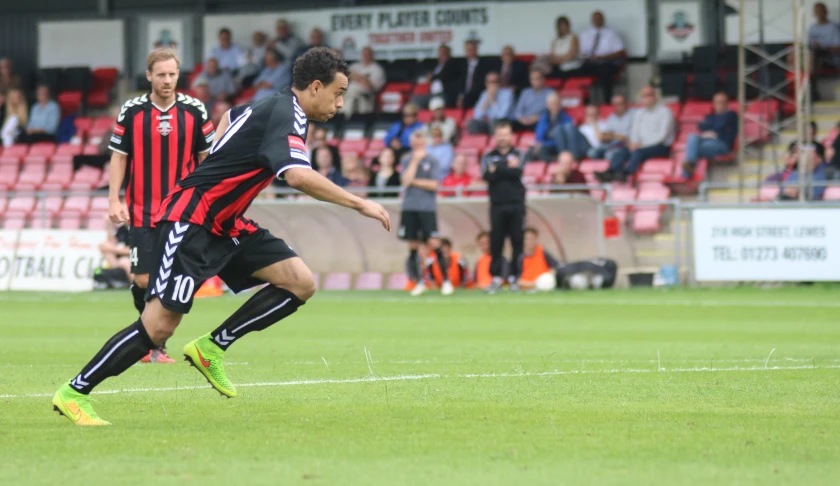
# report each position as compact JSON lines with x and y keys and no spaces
{"x":385,"y":175}
{"x":17,"y":116}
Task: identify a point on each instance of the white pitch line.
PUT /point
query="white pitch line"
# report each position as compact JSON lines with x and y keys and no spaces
{"x":373,"y":379}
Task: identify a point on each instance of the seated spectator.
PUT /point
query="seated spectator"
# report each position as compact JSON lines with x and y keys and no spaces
{"x":366,"y":79}
{"x":219,"y":110}
{"x":385,"y":175}
{"x":562,"y":58}
{"x":457,"y":177}
{"x":441,"y":149}
{"x":316,"y":39}
{"x":824,"y":39}
{"x":399,"y":135}
{"x":326,"y":167}
{"x":815,"y":151}
{"x":9,"y":80}
{"x":473,"y":71}
{"x":458,"y":271}
{"x":317,"y":137}
{"x":219,"y":83}
{"x":439,"y":120}
{"x":531,"y":103}
{"x":564,"y":172}
{"x":494,"y":104}
{"x":201,"y":92}
{"x":252,"y":60}
{"x":591,"y":130}
{"x":555,"y":131}
{"x":651,"y":136}
{"x":286,"y":43}
{"x":535,"y":260}
{"x":273,"y":78}
{"x":717,"y":135}
{"x":17,"y":117}
{"x":482,"y":277}
{"x":353,"y":171}
{"x":832,"y":158}
{"x":44,"y":117}
{"x":513,"y":73}
{"x":226,"y":53}
{"x":817,"y":167}
{"x":602,"y":52}
{"x":616,"y":131}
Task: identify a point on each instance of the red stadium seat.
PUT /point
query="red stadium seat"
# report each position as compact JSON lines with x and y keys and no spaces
{"x":424,"y":116}
{"x":647,"y":221}
{"x":473,"y":141}
{"x":68,"y":149}
{"x":3,"y":204}
{"x":21,"y":206}
{"x":421,"y":89}
{"x":832,"y":193}
{"x":337,"y":281}
{"x":554,"y":83}
{"x":98,"y":97}
{"x":589,"y":166}
{"x":605,"y":111}
{"x":8,"y":176}
{"x":34,"y":161}
{"x":83,"y":123}
{"x":655,"y":170}
{"x":69,"y":223}
{"x":105,"y":77}
{"x":17,"y":149}
{"x":455,"y":113}
{"x":623,"y":193}
{"x":69,"y":101}
{"x":369,"y":281}
{"x":584,"y":82}
{"x":42,"y":149}
{"x":96,"y":222}
{"x":695,"y":111}
{"x":51,"y":205}
{"x":353,"y":146}
{"x":31,"y":178}
{"x":534,"y":169}
{"x":16,"y":222}
{"x":572,"y":97}
{"x":78,"y":205}
{"x":40,"y":221}
{"x":91,"y":149}
{"x":577,"y":113}
{"x":376,"y":144}
{"x":12,"y":160}
{"x":105,"y":123}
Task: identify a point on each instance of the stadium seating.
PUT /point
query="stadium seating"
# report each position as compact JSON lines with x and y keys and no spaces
{"x":397,"y":281}
{"x":832,"y":193}
{"x":369,"y":281}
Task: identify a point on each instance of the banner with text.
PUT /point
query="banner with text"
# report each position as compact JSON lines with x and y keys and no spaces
{"x":61,"y":260}
{"x":798,"y":245}
{"x":8,"y":243}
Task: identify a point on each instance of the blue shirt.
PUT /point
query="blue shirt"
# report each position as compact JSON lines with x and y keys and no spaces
{"x":545,"y":124}
{"x":404,"y":134}
{"x":336,"y":177}
{"x":279,"y":78}
{"x":444,"y":153}
{"x":45,"y":117}
{"x":725,"y":125}
{"x":530,"y":103}
{"x":228,"y":58}
{"x":816,"y":192}
{"x":497,"y":111}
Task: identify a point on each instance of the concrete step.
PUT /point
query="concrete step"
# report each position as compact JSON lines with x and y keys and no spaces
{"x":826,"y":108}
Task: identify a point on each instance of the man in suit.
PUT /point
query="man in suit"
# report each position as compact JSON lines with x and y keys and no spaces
{"x":513,"y":73}
{"x":473,"y":71}
{"x":444,"y":80}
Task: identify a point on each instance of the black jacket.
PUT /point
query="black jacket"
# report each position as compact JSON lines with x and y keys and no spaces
{"x":504,"y":183}
{"x":393,"y":182}
{"x":472,"y":92}
{"x":518,"y":78}
{"x":450,"y":76}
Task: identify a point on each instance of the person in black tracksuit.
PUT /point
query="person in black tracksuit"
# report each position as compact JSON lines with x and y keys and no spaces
{"x":502,"y":169}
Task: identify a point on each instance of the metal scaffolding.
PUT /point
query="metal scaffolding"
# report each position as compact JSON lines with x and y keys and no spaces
{"x":759,"y":69}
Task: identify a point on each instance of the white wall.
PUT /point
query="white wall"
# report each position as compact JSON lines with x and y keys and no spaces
{"x":94,"y":43}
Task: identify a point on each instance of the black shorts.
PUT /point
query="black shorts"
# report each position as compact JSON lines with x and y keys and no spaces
{"x":188,"y":255}
{"x":141,"y":244}
{"x":418,"y":225}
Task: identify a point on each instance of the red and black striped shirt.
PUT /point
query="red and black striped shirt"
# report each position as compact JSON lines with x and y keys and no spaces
{"x":162,"y":145}
{"x":263,"y":141}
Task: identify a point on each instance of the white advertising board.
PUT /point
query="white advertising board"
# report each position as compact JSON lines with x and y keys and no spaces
{"x":773,"y":244}
{"x":94,"y":43}
{"x":56,"y":260}
{"x":8,"y":244}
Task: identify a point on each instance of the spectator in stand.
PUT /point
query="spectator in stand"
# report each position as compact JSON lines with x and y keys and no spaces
{"x":564,"y":171}
{"x":220,"y":108}
{"x":562,"y":59}
{"x":17,"y":116}
{"x":832,"y":157}
{"x":316,"y":138}
{"x":513,"y":73}
{"x":555,"y":131}
{"x":8,"y":78}
{"x":399,"y":135}
{"x":273,"y":78}
{"x":717,"y":135}
{"x":441,"y":149}
{"x":602,"y":52}
{"x":366,"y":79}
{"x":590,"y":131}
{"x":201,"y":92}
{"x":817,"y":167}
{"x":252,"y":59}
{"x":326,"y":167}
{"x":385,"y":175}
{"x":531,"y":102}
{"x":473,"y":71}
{"x":44,"y":117}
{"x":444,"y":79}
{"x":616,"y":131}
{"x":439,"y":120}
{"x":316,"y":39}
{"x":651,"y":136}
{"x":535,"y":260}
{"x":824,"y":38}
{"x":226,"y":53}
{"x":482,"y":276}
{"x":494,"y":104}
{"x":286,"y":43}
{"x":352,"y":170}
{"x":219,"y":83}
{"x":457,"y":177}
{"x":2,"y":105}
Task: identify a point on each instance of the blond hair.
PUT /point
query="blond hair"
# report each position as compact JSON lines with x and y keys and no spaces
{"x":161,"y":54}
{"x":18,"y":109}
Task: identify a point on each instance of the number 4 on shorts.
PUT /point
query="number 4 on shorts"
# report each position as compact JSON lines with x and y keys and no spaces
{"x":132,"y":256}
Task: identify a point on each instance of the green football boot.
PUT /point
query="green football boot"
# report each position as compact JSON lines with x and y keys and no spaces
{"x":207,"y":358}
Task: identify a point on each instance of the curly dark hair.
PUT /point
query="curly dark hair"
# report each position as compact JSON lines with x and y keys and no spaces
{"x":318,"y":63}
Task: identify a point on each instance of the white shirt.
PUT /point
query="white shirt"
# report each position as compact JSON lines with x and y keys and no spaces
{"x":608,"y":42}
{"x":10,"y":130}
{"x":561,"y":46}
{"x":373,"y":72}
{"x":588,"y":131}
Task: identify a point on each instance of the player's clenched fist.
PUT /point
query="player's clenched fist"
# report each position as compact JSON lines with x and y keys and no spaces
{"x":376,"y":211}
{"x":118,"y":212}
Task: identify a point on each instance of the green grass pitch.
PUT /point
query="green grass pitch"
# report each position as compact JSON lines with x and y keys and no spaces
{"x":665,"y":387}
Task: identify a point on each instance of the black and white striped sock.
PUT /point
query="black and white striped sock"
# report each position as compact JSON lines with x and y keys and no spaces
{"x":266,"y":307}
{"x":123,"y":350}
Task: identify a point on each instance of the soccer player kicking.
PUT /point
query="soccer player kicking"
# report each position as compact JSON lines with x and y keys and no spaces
{"x":159,"y":138}
{"x":202,"y":232}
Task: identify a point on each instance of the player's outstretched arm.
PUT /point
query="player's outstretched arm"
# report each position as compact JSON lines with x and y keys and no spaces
{"x":315,"y":185}
{"x":117,"y":211}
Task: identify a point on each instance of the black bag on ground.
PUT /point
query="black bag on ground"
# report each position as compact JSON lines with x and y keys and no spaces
{"x":600,"y":273}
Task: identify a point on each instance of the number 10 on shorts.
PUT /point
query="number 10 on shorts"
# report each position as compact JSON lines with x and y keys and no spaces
{"x":183,"y":289}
